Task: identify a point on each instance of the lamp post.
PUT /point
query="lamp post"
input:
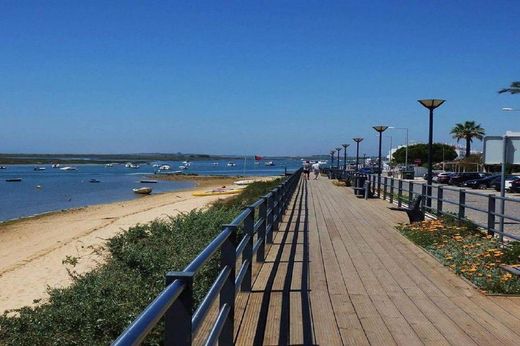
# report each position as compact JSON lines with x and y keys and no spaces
{"x":406,"y":148}
{"x":332,"y":152}
{"x":380,"y":129}
{"x":357,"y":140}
{"x":431,"y":104}
{"x":338,"y":149}
{"x":345,"y":146}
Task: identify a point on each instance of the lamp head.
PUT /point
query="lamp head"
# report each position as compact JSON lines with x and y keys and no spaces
{"x":338,"y":148}
{"x":332,"y":152}
{"x":345,"y":145}
{"x":431,"y":103}
{"x":357,"y":139}
{"x":380,"y":128}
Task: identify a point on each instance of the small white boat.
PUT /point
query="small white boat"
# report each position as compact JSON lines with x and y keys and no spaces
{"x":215,"y":164}
{"x":231,"y":164}
{"x":143,"y":190}
{"x":183,"y":167}
{"x":156,"y":165}
{"x":39,"y":168}
{"x":269,"y":163}
{"x":3,"y":167}
{"x":131,"y":165}
{"x":244,"y":182}
{"x":108,"y":165}
{"x":68,"y":168}
{"x":165,"y":168}
{"x":55,"y":165}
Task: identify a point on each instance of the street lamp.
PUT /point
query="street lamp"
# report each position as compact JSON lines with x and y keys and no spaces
{"x":345,"y":146}
{"x":406,"y":149}
{"x":431,"y":104}
{"x":338,"y":149}
{"x":332,"y":152}
{"x":380,"y":129}
{"x":357,"y":140}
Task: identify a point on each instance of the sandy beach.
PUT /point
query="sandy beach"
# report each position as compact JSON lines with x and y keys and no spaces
{"x":32,"y":250}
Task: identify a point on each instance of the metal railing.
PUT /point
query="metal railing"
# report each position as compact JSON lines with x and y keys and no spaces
{"x":479,"y":208}
{"x":175,"y":303}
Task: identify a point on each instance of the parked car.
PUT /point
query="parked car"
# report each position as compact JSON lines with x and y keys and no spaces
{"x":515,"y":186}
{"x":442,"y":178}
{"x":509,"y":180}
{"x":482,"y":183}
{"x":458,"y":179}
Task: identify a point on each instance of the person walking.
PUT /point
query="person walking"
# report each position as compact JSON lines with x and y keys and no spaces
{"x":306,"y":169}
{"x":316,"y":170}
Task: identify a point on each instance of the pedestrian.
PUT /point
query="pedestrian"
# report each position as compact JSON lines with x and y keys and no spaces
{"x":306,"y":169}
{"x":316,"y":170}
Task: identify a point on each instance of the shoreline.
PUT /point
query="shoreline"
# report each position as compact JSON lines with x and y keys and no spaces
{"x":45,"y":250}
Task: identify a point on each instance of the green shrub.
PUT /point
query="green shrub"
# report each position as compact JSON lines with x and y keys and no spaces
{"x":99,"y":305}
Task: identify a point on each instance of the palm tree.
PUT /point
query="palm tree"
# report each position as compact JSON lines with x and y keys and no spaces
{"x":513,"y":89}
{"x":468,"y":131}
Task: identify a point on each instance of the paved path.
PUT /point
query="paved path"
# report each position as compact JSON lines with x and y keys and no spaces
{"x":339,"y":273}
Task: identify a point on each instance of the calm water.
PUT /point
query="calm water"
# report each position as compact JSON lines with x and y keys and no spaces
{"x":70,"y":189}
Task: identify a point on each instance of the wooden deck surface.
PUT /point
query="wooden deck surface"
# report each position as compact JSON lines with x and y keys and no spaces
{"x":339,"y":273}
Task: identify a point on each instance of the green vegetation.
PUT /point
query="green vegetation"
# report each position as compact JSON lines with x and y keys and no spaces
{"x":100,"y":304}
{"x":99,"y":158}
{"x":468,"y":252}
{"x":468,"y":131}
{"x":420,"y":151}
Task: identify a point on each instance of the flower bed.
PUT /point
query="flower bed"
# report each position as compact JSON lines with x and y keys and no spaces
{"x":468,"y":252}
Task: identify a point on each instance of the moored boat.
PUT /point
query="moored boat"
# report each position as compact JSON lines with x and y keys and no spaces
{"x":94,"y":181}
{"x":143,"y":190}
{"x":68,"y":168}
{"x":148,"y":181}
{"x":13,"y":180}
{"x":231,"y":164}
{"x":39,"y":168}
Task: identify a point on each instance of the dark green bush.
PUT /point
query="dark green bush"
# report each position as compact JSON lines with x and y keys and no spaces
{"x":97,"y":307}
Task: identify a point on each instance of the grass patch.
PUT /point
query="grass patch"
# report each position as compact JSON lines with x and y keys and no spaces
{"x":468,"y":252}
{"x":97,"y":307}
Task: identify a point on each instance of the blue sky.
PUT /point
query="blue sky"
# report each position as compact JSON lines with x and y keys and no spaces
{"x":244,"y":77}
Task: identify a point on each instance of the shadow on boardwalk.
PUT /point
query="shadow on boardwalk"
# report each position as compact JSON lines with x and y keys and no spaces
{"x":339,"y":273}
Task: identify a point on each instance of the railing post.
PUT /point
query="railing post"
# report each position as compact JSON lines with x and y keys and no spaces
{"x":462,"y":201}
{"x":399,"y":193}
{"x":275,"y":210}
{"x":227,"y":293}
{"x":177,"y":320}
{"x":410,"y":193}
{"x":262,"y":214}
{"x":491,"y":214}
{"x":270,"y":217}
{"x":392,"y":180}
{"x":385,"y":184}
{"x":440,"y":196}
{"x":423,"y":193}
{"x":247,"y":254}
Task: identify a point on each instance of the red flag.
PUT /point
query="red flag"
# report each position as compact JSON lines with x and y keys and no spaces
{"x":258,"y":158}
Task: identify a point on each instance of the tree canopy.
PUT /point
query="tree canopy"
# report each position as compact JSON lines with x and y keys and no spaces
{"x":420,"y":151}
{"x":467,"y":131}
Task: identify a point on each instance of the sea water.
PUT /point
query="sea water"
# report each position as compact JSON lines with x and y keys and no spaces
{"x":55,"y":189}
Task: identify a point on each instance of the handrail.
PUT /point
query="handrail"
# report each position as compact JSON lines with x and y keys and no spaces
{"x":175,"y":302}
{"x":388,"y":186}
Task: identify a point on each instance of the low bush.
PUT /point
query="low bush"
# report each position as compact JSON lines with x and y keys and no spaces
{"x":468,"y":252}
{"x":97,"y":307}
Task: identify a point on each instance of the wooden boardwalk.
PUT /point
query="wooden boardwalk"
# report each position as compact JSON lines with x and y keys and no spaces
{"x":339,"y":273}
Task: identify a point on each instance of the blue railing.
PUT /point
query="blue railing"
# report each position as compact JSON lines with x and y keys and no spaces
{"x":175,"y":302}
